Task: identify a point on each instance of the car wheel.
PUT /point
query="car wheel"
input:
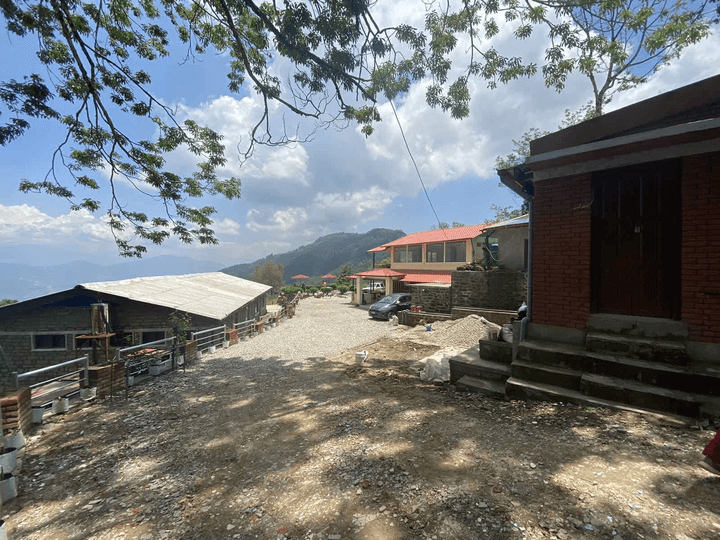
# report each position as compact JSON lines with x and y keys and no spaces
{"x":391,"y":314}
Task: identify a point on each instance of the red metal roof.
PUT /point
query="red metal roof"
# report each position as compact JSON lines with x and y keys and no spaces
{"x":453,"y":234}
{"x":428,"y":277}
{"x":380,"y":272}
{"x":376,"y":250}
{"x":329,"y":276}
{"x":300,"y":276}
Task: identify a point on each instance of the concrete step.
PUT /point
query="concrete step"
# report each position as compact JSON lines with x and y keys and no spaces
{"x":468,"y":363}
{"x":642,"y":395}
{"x":482,"y":386}
{"x":551,"y":354}
{"x":542,"y":373}
{"x":495,"y":351}
{"x":519,"y":389}
{"x":659,"y":350}
{"x":695,"y":377}
{"x":648,"y":327}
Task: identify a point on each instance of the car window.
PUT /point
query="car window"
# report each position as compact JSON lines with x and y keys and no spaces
{"x":405,"y":299}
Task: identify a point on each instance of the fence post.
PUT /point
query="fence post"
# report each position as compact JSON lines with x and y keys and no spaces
{"x":16,"y":382}
{"x":86,"y":369}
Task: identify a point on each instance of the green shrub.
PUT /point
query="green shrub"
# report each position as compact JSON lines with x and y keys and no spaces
{"x":312,"y":290}
{"x":343,"y":289}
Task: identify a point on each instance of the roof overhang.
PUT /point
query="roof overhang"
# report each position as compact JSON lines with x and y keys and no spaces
{"x":691,"y":138}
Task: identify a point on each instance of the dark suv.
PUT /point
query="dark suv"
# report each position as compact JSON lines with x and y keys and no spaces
{"x":390,"y":305}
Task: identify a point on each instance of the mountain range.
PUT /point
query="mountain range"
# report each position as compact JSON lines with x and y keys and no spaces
{"x":327,"y":254}
{"x":21,"y":281}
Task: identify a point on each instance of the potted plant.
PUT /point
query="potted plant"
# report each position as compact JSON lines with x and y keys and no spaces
{"x":158,"y":366}
{"x":8,"y":486}
{"x":14,"y":439}
{"x":8,"y":458}
{"x":37,"y":415}
{"x":87,"y":394}
{"x":180,"y":322}
{"x":60,"y":405}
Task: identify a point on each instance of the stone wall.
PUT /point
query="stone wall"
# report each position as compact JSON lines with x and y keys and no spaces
{"x":497,"y":316}
{"x":432,"y":298}
{"x":16,"y":412}
{"x":411,"y":318}
{"x":497,"y":289}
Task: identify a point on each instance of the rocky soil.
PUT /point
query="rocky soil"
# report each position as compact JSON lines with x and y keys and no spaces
{"x":285,"y":437}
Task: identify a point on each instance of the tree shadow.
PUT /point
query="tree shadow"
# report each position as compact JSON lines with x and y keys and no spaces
{"x":266,"y":447}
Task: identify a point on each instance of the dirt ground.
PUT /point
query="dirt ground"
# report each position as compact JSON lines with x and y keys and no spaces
{"x":328,"y":449}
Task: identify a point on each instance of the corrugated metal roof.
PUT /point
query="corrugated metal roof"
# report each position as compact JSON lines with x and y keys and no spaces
{"x":520,"y":221}
{"x":212,"y":294}
{"x":452,"y":234}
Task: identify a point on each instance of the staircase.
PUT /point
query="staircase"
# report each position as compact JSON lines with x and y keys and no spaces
{"x":634,"y":363}
{"x":483,"y":369}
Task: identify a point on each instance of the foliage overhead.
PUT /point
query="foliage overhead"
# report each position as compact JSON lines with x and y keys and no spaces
{"x":344,"y":63}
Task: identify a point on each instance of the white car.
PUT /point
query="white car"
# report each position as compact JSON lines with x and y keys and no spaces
{"x":375,"y":287}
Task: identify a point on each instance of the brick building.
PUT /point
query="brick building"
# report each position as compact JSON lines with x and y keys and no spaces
{"x":624,"y":284}
{"x":44,"y":331}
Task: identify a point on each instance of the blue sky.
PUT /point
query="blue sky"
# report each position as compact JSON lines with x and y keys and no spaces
{"x":341,"y":181}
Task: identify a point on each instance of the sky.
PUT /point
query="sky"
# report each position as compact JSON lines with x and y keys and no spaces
{"x":341,"y":181}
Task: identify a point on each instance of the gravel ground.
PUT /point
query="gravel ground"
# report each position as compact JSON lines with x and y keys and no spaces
{"x":321,"y":327}
{"x":284,"y":437}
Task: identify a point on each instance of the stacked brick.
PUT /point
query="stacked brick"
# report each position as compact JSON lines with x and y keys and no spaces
{"x":16,"y":412}
{"x":701,"y":246}
{"x":232,"y":337}
{"x":103,"y":377}
{"x":190,"y":351}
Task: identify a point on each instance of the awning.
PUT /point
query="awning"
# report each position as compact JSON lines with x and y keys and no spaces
{"x":380,"y":273}
{"x":438,"y":277}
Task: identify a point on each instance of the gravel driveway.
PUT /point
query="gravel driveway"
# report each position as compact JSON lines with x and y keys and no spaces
{"x":321,"y":327}
{"x":284,"y":437}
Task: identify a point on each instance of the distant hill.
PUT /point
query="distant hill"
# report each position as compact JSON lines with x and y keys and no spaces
{"x":325,"y":255}
{"x":22,"y":281}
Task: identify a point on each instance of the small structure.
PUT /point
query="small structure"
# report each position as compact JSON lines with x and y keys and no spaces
{"x":478,"y":266}
{"x":625,"y":248}
{"x":58,"y":327}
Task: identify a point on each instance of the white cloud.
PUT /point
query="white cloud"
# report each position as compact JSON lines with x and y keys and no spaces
{"x":28,"y":224}
{"x":226,"y":226}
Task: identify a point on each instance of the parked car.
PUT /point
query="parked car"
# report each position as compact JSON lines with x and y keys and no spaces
{"x":390,"y":305}
{"x":376,"y":287}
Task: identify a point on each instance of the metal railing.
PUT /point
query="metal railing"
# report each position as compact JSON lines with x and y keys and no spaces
{"x":244,"y":328}
{"x":61,"y":386}
{"x":139,"y":359}
{"x":212,"y":337}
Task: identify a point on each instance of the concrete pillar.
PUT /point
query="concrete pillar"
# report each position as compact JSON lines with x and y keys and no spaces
{"x":358,"y":290}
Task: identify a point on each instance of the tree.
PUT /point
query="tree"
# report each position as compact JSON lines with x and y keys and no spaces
{"x":271,"y":274}
{"x":444,"y":225}
{"x":344,"y":63}
{"x":7,"y":302}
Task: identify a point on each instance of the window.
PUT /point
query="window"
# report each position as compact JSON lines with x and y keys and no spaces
{"x":400,"y":255}
{"x":414,"y":254}
{"x":48,"y":341}
{"x":455,"y":252}
{"x":148,"y":337}
{"x":434,"y":252}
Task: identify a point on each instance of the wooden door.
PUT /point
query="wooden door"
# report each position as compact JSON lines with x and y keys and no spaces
{"x":636,"y":235}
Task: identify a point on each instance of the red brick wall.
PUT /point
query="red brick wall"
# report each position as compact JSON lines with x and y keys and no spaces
{"x":701,"y":246}
{"x":561,"y":251}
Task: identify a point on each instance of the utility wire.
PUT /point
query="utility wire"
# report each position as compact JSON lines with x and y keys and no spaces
{"x":417,"y":170}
